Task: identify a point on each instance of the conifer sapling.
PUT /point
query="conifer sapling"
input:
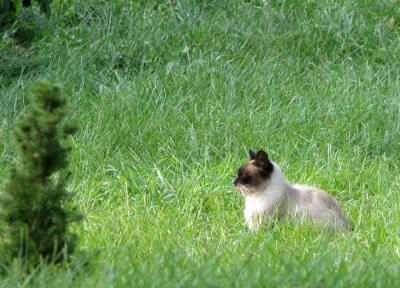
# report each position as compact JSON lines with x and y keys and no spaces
{"x":35,"y":205}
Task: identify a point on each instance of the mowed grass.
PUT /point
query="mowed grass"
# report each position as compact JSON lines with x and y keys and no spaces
{"x":169,"y":95}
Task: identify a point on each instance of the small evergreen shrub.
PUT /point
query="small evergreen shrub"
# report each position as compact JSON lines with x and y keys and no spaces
{"x":35,"y":206}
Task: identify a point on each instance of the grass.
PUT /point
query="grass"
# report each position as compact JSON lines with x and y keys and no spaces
{"x":169,"y":95}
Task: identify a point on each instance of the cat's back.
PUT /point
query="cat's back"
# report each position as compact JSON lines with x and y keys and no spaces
{"x":318,"y":197}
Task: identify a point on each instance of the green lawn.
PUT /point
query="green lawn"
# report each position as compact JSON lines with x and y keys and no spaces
{"x":169,"y":95}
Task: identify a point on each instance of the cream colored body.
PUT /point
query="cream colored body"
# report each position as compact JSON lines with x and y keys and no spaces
{"x":278,"y":198}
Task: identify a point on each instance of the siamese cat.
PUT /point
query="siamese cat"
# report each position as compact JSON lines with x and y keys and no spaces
{"x":268,"y":195}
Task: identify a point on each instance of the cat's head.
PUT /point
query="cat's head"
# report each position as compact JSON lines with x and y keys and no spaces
{"x":254,"y":174}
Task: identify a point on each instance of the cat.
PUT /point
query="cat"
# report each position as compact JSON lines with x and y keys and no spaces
{"x":268,"y":195}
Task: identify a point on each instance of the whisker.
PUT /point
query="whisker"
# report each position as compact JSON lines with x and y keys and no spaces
{"x":243,"y":190}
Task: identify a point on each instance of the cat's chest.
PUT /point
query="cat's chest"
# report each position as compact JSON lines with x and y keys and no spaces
{"x":258,"y":203}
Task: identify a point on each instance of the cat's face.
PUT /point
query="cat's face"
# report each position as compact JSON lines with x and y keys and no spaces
{"x":253,"y":175}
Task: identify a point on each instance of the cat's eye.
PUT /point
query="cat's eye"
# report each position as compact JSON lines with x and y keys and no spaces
{"x":246,"y":178}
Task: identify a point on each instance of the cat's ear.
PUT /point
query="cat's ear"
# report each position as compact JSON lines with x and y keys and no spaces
{"x":252,"y":154}
{"x":261,"y":158}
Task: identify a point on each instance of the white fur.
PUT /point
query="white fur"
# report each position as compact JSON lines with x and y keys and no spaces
{"x":278,"y":198}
